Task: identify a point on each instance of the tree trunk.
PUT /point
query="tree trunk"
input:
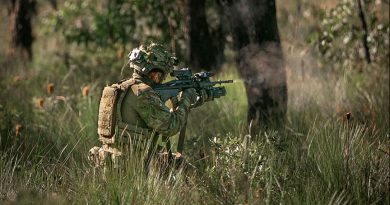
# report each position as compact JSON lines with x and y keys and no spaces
{"x":21,"y":13}
{"x":205,"y":46}
{"x":259,"y":58}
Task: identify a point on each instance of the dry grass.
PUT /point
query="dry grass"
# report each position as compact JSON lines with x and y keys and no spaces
{"x":319,"y":157}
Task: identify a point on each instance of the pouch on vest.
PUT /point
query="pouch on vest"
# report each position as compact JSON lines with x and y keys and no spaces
{"x":107,"y":114}
{"x":108,"y":110}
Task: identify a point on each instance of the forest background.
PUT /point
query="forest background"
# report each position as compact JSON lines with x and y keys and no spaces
{"x":320,"y":122}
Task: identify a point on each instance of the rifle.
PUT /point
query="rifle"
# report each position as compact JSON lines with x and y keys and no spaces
{"x":185,"y":80}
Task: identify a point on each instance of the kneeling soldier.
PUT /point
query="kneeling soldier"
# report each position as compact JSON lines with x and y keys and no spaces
{"x":132,"y":110}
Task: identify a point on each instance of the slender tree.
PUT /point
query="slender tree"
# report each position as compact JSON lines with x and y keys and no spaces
{"x":259,"y":59}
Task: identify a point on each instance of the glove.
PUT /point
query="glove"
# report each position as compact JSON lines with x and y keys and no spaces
{"x":205,"y":96}
{"x":188,"y":97}
{"x":174,"y":102}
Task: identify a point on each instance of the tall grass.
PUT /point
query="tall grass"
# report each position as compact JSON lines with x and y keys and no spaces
{"x":319,"y":156}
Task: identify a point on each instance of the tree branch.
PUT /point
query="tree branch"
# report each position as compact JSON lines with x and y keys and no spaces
{"x":365,"y":28}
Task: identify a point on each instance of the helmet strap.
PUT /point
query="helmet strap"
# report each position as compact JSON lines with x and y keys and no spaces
{"x":143,"y":77}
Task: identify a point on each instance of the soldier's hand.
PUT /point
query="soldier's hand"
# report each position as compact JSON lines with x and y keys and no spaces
{"x":206,"y":96}
{"x":202,"y":97}
{"x":174,"y":102}
{"x":188,"y":97}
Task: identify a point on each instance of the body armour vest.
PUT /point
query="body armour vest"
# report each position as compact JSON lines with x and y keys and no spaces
{"x":117,"y":107}
{"x":128,"y":103}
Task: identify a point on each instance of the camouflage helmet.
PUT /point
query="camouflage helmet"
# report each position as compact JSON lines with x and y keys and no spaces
{"x":153,"y":56}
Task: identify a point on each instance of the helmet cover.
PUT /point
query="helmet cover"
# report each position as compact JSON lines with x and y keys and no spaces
{"x":152,"y":56}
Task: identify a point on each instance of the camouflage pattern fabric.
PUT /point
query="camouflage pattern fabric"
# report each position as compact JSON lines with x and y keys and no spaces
{"x":143,"y":107}
{"x":151,"y":56}
{"x":157,"y":116}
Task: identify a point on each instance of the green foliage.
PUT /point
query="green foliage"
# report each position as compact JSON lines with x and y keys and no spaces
{"x":7,"y":120}
{"x":341,"y":34}
{"x":316,"y":158}
{"x":116,"y":24}
{"x":313,"y":160}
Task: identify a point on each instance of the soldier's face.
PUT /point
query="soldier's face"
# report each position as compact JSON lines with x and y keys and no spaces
{"x":157,"y":77}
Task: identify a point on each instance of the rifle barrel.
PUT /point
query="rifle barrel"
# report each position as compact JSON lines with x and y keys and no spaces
{"x":223,"y":81}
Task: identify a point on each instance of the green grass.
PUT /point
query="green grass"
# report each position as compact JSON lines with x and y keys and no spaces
{"x":317,"y":157}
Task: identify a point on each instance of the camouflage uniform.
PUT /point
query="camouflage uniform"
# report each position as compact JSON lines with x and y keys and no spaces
{"x":141,"y":108}
{"x":132,"y":111}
